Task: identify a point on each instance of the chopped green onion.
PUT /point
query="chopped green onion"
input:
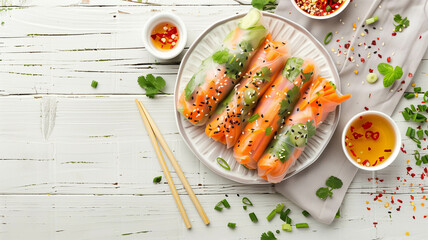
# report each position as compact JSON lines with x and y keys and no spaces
{"x":417,"y":155}
{"x":426,"y":97}
{"x":253,"y":217}
{"x":420,"y":133}
{"x":305,"y":213}
{"x":418,"y":162}
{"x":338,"y":213}
{"x":94,"y":84}
{"x":328,"y":8}
{"x":425,"y":159}
{"x":409,"y":95}
{"x":279,"y":207}
{"x":284,"y":214}
{"x":405,"y":115}
{"x":271,"y":215}
{"x":426,"y":132}
{"x":225,"y":203}
{"x":286,"y":227}
{"x":328,"y":38}
{"x":417,"y":89}
{"x":254,"y":118}
{"x":372,"y":20}
{"x":410,"y":131}
{"x":419,"y":117}
{"x":416,"y":141}
{"x":218,"y":208}
{"x":157,"y":179}
{"x":277,"y":231}
{"x":223,"y":163}
{"x":244,"y":207}
{"x":419,"y":146}
{"x":302,"y":225}
{"x":231,"y":225}
{"x":288,"y":220}
{"x":268,"y":131}
{"x":247,"y":201}
{"x":413,"y":107}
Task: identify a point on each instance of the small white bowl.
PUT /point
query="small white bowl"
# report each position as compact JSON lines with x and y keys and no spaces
{"x":345,"y":4}
{"x":397,"y":144}
{"x":153,"y":22}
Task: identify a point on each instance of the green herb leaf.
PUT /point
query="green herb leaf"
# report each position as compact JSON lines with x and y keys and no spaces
{"x":268,"y":236}
{"x":306,"y":213}
{"x":268,"y":131}
{"x":334,"y":182}
{"x":264,"y":74}
{"x":254,"y":118}
{"x":287,"y":104}
{"x":401,"y":23}
{"x":231,"y":225}
{"x":306,"y":76}
{"x":323,"y":193}
{"x":384,"y":68}
{"x":311,"y":128}
{"x":264,"y":4}
{"x":151,"y":84}
{"x":338,"y":213}
{"x":221,"y":56}
{"x":292,"y":68}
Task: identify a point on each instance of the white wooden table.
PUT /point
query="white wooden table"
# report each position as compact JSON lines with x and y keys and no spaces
{"x":76,"y":162}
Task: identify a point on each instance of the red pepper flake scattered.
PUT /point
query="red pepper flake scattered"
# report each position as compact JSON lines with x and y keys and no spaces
{"x":409,"y":169}
{"x":374,"y":223}
{"x":426,"y":170}
{"x":374,"y":42}
{"x":380,"y":180}
{"x":399,"y":200}
{"x":394,"y":33}
{"x":381,"y":158}
{"x":370,"y":70}
{"x":370,"y":95}
{"x":368,"y":208}
{"x":347,"y":45}
{"x":353,"y":153}
{"x":388,"y":59}
{"x":337,"y":40}
{"x":410,"y":74}
{"x":414,"y":217}
{"x":375,"y":163}
{"x":375,"y":136}
{"x":422,"y":176}
{"x":350,"y":59}
{"x":398,"y":178}
{"x":387,"y":150}
{"x":380,"y":56}
{"x":412,"y":175}
{"x":411,"y":197}
{"x":352,"y":128}
{"x":366,"y":163}
{"x":367,"y":125}
{"x":369,"y":148}
{"x":402,"y":149}
{"x":366,"y":108}
{"x":362,"y":60}
{"x":369,"y":181}
{"x":398,"y":209}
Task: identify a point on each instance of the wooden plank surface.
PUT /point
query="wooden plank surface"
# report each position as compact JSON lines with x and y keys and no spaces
{"x":76,"y":162}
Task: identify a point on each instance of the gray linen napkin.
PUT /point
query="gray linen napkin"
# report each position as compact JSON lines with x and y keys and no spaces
{"x":406,"y":49}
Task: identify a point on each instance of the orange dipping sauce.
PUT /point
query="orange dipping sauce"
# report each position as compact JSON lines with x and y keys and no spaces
{"x":370,"y":140}
{"x":165,"y":36}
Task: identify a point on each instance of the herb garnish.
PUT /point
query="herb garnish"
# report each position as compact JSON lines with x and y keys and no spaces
{"x":391,"y":74}
{"x":264,"y":4}
{"x":94,"y":84}
{"x":221,"y":56}
{"x":268,"y":131}
{"x":157,"y":179}
{"x":264,"y":74}
{"x":153,"y":85}
{"x":268,"y":236}
{"x":401,"y":23}
{"x":254,"y":118}
{"x":332,"y":183}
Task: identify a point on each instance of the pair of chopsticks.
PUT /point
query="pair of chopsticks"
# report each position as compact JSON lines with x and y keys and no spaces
{"x":156,"y":136}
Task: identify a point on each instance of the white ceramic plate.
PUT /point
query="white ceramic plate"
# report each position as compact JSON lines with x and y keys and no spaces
{"x":300,"y":44}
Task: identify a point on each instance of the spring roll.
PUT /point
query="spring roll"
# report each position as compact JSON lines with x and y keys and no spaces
{"x":312,"y":109}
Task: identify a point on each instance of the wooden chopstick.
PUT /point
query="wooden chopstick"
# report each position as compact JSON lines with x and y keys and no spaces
{"x":164,"y":167}
{"x":174,"y":163}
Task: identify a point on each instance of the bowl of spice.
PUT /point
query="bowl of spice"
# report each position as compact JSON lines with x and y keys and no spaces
{"x":320,"y":9}
{"x":164,"y":35}
{"x":371,"y":140}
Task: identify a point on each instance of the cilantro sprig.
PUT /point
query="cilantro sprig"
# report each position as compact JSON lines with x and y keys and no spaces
{"x":264,"y":4}
{"x":264,"y":74}
{"x":153,"y":85}
{"x":331,"y":183}
{"x":401,"y":23}
{"x":391,"y":74}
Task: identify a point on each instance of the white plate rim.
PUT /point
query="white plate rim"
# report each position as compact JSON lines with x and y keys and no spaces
{"x":220,"y":171}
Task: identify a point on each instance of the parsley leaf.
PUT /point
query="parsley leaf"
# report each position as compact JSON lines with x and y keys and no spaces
{"x":334,"y":182}
{"x":264,"y":74}
{"x":221,"y":56}
{"x":268,"y":236}
{"x":311,"y":129}
{"x":391,"y":74}
{"x":292,"y":68}
{"x":151,"y":84}
{"x":264,"y":4}
{"x":401,"y":23}
{"x":306,"y":76}
{"x":323,"y":193}
{"x":287,"y":103}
